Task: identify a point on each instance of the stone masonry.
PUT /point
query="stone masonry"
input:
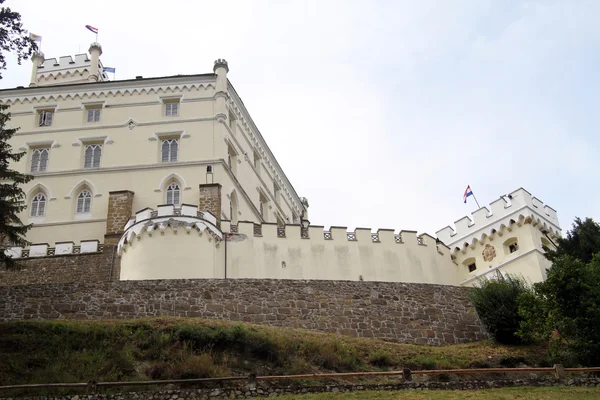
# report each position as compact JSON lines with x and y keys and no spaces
{"x":210,"y":199}
{"x":85,"y":267}
{"x":407,"y":313}
{"x":120,"y":209}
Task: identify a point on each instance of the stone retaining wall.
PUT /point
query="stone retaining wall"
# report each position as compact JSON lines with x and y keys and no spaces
{"x":274,"y":391}
{"x":407,"y":313}
{"x":84,"y":267}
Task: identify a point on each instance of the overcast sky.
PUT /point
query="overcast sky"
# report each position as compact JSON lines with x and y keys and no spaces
{"x":379,"y":112}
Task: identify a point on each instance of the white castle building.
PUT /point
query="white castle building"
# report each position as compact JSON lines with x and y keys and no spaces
{"x":174,"y":174}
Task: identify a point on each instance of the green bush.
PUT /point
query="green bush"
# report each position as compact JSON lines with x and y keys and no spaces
{"x":497,"y":304}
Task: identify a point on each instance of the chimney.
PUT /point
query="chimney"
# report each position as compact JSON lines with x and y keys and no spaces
{"x":95,"y":53}
{"x":210,"y":200}
{"x":37,"y":58}
{"x":120,"y":209}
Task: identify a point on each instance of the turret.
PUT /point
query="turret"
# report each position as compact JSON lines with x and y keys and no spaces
{"x":37,"y":59}
{"x":95,"y":53}
{"x":221,"y":69}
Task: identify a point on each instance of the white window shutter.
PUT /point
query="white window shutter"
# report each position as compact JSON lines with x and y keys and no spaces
{"x":49,"y":115}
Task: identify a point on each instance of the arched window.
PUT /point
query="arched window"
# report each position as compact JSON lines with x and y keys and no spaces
{"x":169,"y":150}
{"x":93,"y":152}
{"x":84,"y":202}
{"x":38,"y":205}
{"x":39,"y":160}
{"x":173,"y":194}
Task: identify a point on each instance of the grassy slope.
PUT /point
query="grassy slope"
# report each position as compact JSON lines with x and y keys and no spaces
{"x":546,"y":393}
{"x":37,"y":352}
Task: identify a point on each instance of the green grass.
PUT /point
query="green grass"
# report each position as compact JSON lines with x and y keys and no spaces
{"x":529,"y":393}
{"x":173,"y":348}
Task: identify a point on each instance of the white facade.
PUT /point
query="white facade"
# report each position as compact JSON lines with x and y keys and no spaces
{"x":161,"y":138}
{"x":86,"y":136}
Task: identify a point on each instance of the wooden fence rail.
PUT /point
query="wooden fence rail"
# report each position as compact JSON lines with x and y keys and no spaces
{"x":406,"y":373}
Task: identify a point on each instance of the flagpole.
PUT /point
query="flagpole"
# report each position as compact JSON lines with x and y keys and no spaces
{"x":475,"y":198}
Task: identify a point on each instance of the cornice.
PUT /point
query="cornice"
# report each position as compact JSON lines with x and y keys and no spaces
{"x":107,"y":88}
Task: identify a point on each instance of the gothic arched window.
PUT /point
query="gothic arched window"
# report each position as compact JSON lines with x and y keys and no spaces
{"x":173,"y":194}
{"x":84,"y":202}
{"x":38,"y":205}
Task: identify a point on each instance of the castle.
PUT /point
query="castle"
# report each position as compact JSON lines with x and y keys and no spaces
{"x":170,"y":178}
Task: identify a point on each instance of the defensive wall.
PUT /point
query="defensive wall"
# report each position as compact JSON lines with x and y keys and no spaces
{"x":402,"y":312}
{"x":92,"y":280}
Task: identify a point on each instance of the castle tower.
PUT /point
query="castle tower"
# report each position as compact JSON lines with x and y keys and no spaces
{"x":68,"y":70}
{"x":509,"y":237}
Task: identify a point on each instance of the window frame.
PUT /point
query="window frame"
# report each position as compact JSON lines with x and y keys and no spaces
{"x":173,"y":188}
{"x":40,"y":151}
{"x":36,"y":207}
{"x":95,"y":112}
{"x":94,"y":147}
{"x":42,"y":120}
{"x":84,"y":198}
{"x":170,"y":140}
{"x":169,"y":106}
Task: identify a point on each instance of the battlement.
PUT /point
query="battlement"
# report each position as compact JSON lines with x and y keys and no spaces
{"x":74,"y":69}
{"x":165,"y":216}
{"x":59,"y":249}
{"x":337,"y":233}
{"x":501,"y":213}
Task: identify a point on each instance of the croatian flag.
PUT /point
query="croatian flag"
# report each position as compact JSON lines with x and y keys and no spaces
{"x":91,"y":28}
{"x":468,"y":192}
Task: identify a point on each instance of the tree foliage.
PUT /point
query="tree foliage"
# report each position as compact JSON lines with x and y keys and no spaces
{"x":13,"y":38}
{"x":497,"y":304}
{"x":581,"y":242}
{"x":565,"y":308}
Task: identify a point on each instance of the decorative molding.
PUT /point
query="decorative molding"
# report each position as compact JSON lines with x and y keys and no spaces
{"x":106,"y":89}
{"x":74,"y":221}
{"x":128,"y":123}
{"x":129,"y":168}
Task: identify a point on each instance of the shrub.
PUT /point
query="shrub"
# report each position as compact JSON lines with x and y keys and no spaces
{"x":497,"y":304}
{"x":381,"y":358}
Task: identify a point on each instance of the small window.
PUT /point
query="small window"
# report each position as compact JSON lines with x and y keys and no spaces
{"x":172,"y":109}
{"x":229,"y":160}
{"x":45,"y":117}
{"x":472,"y":267}
{"x":93,"y":114}
{"x":39,"y":160}
{"x":513,"y":247}
{"x":173,"y":194}
{"x":84,"y":202}
{"x":261,"y":208}
{"x":38,"y":205}
{"x":169,"y":150}
{"x":93,"y":153}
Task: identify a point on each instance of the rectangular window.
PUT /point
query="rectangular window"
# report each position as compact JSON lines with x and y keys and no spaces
{"x":472,"y":267}
{"x":39,"y":160}
{"x":172,"y":109}
{"x":169,"y":150}
{"x":45,"y":117}
{"x":92,"y":155}
{"x":93,"y":114}
{"x":513,"y":247}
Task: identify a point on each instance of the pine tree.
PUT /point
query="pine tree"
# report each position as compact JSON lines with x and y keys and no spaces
{"x":12,"y":197}
{"x":13,"y":39}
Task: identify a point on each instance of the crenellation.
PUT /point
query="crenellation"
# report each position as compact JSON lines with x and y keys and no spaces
{"x":502,"y":213}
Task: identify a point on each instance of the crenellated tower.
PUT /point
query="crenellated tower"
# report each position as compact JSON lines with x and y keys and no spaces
{"x":509,"y":237}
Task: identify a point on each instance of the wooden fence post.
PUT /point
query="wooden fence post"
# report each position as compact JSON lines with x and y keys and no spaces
{"x":407,"y":374}
{"x":559,"y":371}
